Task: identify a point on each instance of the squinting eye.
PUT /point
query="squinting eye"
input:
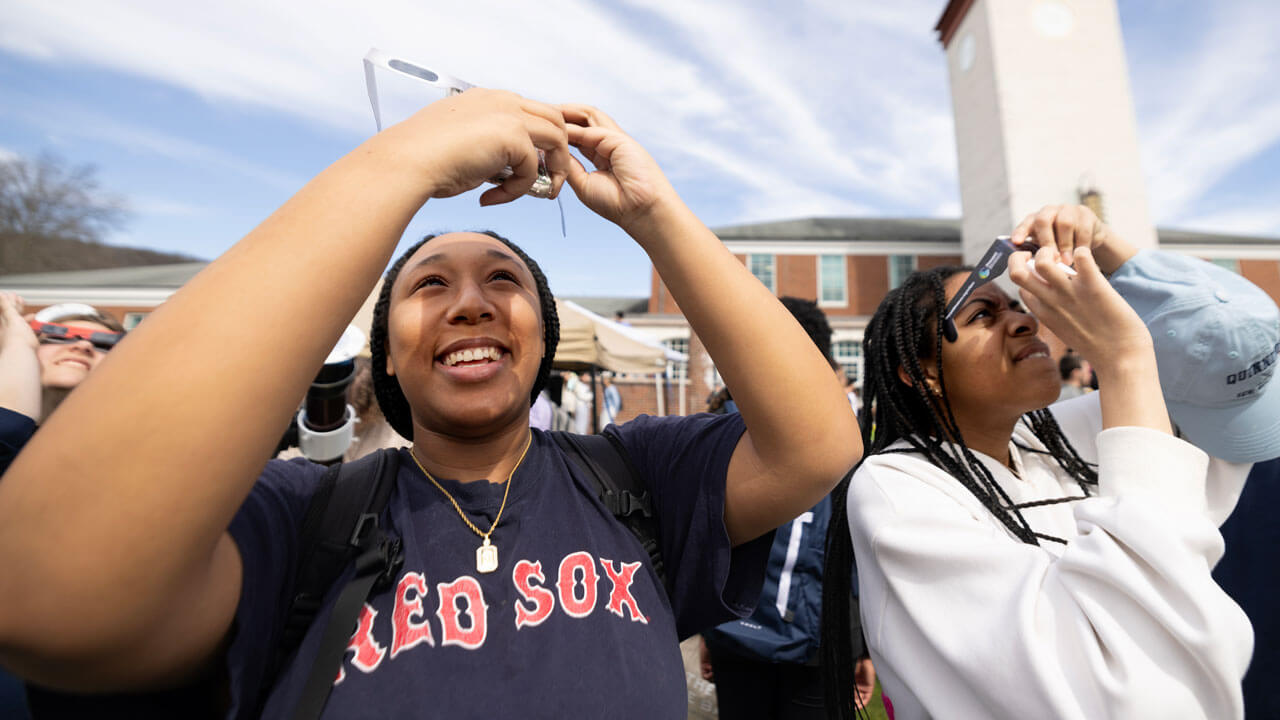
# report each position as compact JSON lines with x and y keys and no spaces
{"x":429,"y":280}
{"x":503,"y":275}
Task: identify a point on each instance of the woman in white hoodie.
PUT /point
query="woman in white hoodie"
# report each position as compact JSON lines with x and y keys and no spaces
{"x":1020,"y":562}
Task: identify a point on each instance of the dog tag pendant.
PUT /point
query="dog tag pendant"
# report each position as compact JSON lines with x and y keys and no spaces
{"x":486,"y":557}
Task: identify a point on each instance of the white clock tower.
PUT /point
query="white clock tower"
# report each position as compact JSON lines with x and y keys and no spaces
{"x":1043,"y":114}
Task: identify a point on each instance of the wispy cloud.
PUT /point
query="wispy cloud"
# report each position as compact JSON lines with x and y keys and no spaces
{"x":1207,"y":109}
{"x":812,"y":107}
{"x":59,"y":120}
{"x":150,"y":205}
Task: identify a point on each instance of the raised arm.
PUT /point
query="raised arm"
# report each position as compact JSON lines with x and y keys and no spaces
{"x":19,"y":366}
{"x":1088,"y":314}
{"x":802,"y":435}
{"x":112,"y":521}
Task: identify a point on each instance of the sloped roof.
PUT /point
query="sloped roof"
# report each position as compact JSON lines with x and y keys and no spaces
{"x":158,"y":276}
{"x":845,"y":229}
{"x":607,"y":306}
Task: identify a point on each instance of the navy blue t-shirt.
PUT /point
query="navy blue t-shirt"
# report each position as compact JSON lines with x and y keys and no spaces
{"x":574,"y":623}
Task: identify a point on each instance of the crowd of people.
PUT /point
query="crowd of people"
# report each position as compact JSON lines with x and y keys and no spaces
{"x":967,"y":543}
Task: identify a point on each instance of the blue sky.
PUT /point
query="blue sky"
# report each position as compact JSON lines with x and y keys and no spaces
{"x":208,"y":116}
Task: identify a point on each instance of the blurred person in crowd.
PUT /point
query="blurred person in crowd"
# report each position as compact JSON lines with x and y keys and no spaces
{"x":612,"y":401}
{"x":851,"y":391}
{"x":542,"y":412}
{"x":1250,"y":573}
{"x":568,"y":402}
{"x":1075,"y":375}
{"x":582,"y":408}
{"x":620,"y":318}
{"x":767,"y":665}
{"x":1015,"y":561}
{"x":37,"y":371}
{"x":559,"y":609}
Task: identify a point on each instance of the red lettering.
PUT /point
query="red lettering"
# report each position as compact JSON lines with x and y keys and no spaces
{"x":621,"y":595}
{"x":367,"y":654}
{"x":405,"y":632}
{"x":544,"y":601}
{"x":577,"y":606}
{"x":451,"y":630}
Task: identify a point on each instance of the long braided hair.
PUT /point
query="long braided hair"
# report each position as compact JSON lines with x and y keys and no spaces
{"x":905,"y":330}
{"x":386,"y":388}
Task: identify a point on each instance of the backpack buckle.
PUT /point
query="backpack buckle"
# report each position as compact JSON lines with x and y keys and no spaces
{"x":623,"y":504}
{"x":365,"y":525}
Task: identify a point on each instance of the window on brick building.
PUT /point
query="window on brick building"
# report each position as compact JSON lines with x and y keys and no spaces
{"x":132,"y":319}
{"x":762,"y":267}
{"x":849,"y":356}
{"x":678,"y":370}
{"x":1231,"y":264}
{"x":900,"y":266}
{"x":833,"y":287}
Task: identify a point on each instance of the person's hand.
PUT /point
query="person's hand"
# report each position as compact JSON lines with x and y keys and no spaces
{"x":460,"y":142}
{"x":864,"y":682}
{"x":1084,"y":311}
{"x":704,"y":660}
{"x":627,"y":184}
{"x":1067,"y":227}
{"x":14,"y":328}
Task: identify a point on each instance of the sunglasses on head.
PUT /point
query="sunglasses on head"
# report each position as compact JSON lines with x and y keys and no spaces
{"x":53,"y":333}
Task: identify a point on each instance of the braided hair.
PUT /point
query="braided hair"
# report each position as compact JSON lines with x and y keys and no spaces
{"x":904,"y":331}
{"x":390,"y":397}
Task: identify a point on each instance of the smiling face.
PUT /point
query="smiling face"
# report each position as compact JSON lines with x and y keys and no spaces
{"x":465,"y":335}
{"x":63,"y":366}
{"x":997,"y":368}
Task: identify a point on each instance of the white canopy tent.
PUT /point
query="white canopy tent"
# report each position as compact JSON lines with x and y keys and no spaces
{"x":589,"y":341}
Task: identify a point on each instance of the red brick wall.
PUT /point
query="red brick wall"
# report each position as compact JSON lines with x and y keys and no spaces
{"x":660,"y":300}
{"x":797,"y":276}
{"x":1263,"y":273}
{"x":868,"y":282}
{"x":927,"y":262}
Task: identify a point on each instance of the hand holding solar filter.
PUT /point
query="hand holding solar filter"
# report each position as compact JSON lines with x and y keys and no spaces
{"x":452,"y":86}
{"x":992,"y":265}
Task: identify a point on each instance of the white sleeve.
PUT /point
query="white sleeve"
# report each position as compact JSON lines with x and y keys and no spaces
{"x":1126,"y":623}
{"x":1081,"y":420}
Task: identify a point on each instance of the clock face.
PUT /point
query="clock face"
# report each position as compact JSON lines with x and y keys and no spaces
{"x":1053,"y":18}
{"x":968,"y":49}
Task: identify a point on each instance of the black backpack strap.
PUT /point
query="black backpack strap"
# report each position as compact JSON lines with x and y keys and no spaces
{"x":341,"y":525}
{"x":618,"y":486}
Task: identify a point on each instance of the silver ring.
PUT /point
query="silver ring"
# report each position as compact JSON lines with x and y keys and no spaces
{"x":541,"y":187}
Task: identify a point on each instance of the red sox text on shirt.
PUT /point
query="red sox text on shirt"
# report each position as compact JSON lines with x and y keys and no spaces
{"x":576,"y":592}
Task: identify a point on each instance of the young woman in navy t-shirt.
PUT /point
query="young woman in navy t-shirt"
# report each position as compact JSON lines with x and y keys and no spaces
{"x":144,"y":544}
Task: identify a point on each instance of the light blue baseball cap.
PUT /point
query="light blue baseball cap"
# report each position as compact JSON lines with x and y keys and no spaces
{"x":1216,"y":339}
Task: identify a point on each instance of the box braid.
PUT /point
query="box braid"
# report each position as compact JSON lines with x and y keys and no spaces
{"x":904,"y":330}
{"x":387,"y":389}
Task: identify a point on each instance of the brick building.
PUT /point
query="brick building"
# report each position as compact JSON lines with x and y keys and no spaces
{"x":846,"y":264}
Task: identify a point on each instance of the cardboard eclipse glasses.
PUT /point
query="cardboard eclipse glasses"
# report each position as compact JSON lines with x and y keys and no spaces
{"x":992,"y":265}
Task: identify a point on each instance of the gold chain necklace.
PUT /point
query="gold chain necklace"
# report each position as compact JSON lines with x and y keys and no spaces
{"x":487,"y":553}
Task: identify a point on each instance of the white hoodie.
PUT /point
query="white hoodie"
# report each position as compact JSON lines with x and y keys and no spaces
{"x":1124,"y":621}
